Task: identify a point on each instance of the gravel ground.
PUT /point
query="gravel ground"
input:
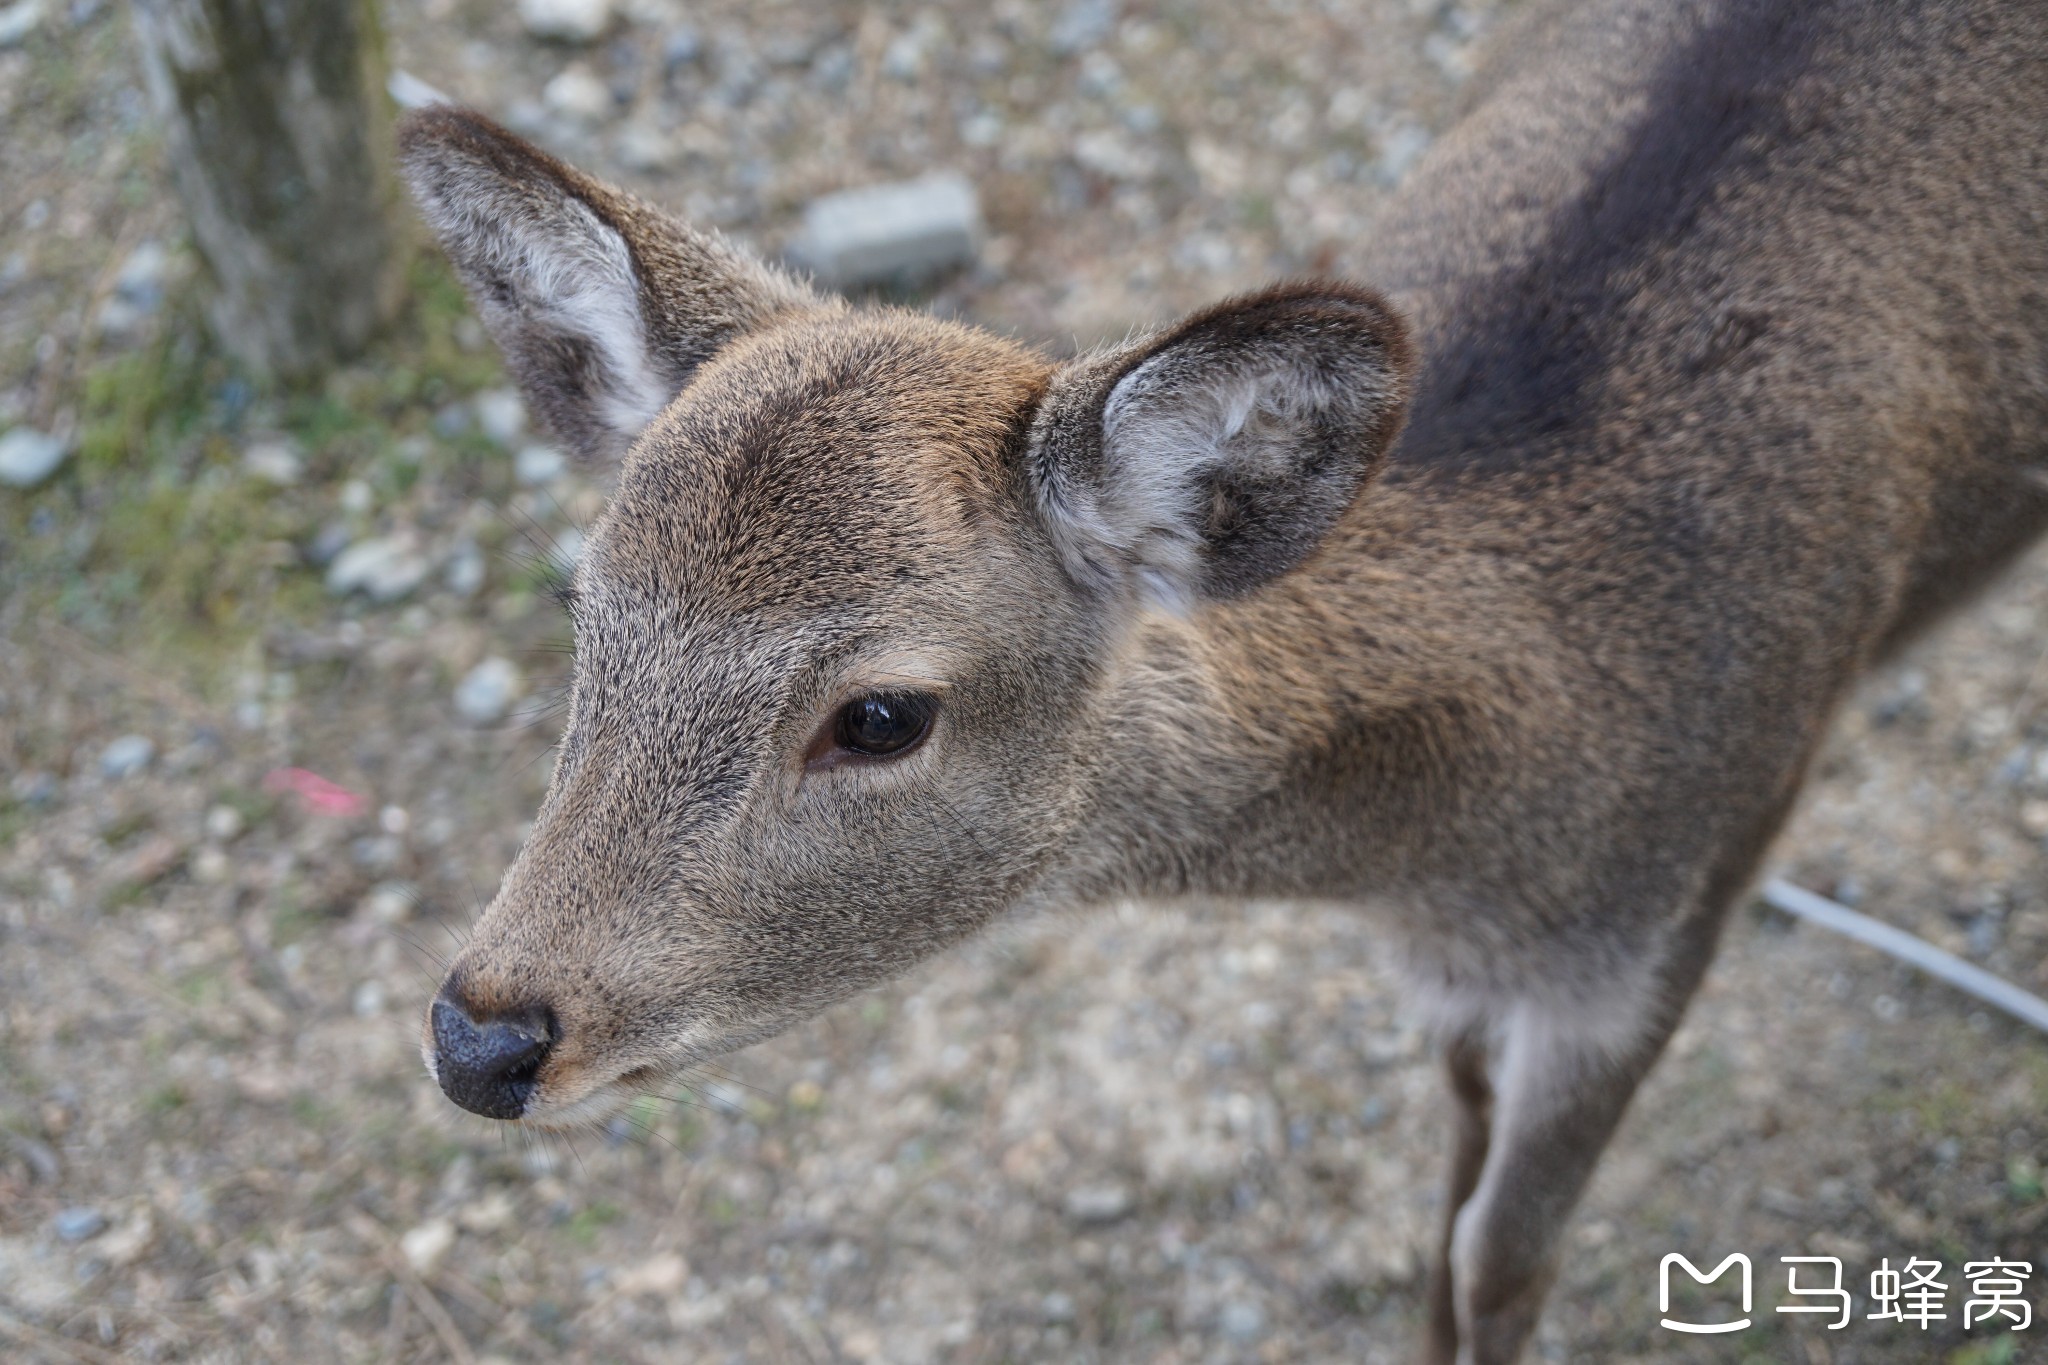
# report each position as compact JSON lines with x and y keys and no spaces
{"x":1196,"y":1132}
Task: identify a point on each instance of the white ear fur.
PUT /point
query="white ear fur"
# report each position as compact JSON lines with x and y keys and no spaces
{"x":1220,"y":457}
{"x":569,"y":272}
{"x":602,"y":305}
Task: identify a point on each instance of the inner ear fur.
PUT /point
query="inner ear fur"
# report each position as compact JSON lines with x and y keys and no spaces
{"x":602,"y":305}
{"x":1205,"y":460}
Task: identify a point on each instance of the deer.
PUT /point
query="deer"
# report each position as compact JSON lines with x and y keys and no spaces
{"x":1505,"y":599}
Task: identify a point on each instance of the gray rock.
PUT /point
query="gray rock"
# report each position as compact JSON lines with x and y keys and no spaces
{"x":384,"y":569}
{"x":1242,"y":1320}
{"x":138,"y":291}
{"x":642,"y":146}
{"x":1082,"y":25}
{"x":274,"y":462}
{"x":408,"y":91}
{"x":577,"y":95}
{"x":78,"y":1223}
{"x":568,"y":21}
{"x":28,"y":456}
{"x":328,"y":542}
{"x":682,"y":46}
{"x":539,"y":464}
{"x":501,"y":414}
{"x":127,"y":756}
{"x":465,"y":573}
{"x":1098,"y":1203}
{"x":18,"y":21}
{"x":1058,"y":1307}
{"x":486,"y":691}
{"x":883,"y":234}
{"x":35,"y":789}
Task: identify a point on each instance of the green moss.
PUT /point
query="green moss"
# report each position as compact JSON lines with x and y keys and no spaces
{"x":584,"y":1225}
{"x":153,"y":539}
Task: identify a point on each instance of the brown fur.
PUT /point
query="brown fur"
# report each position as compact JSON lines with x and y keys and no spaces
{"x":1733,"y":328}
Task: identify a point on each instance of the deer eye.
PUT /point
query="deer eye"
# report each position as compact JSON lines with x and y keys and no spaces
{"x":883,"y":724}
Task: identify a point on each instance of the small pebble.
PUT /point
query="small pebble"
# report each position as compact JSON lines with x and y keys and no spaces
{"x":384,"y":569}
{"x":388,"y":902}
{"x":486,"y":691}
{"x":427,"y":1245}
{"x":18,"y":21}
{"x":274,"y":462}
{"x":1242,"y":1320}
{"x":501,"y":415}
{"x":1098,"y":1203}
{"x":578,"y":95}
{"x":127,"y":756}
{"x":566,"y":21}
{"x":78,"y":1223}
{"x":28,"y":456}
{"x":538,"y":464}
{"x":465,"y":572}
{"x":35,"y":789}
{"x":224,"y":824}
{"x":882,"y":234}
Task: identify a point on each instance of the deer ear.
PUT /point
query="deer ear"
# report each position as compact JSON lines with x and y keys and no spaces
{"x":1204,"y":461}
{"x":602,"y":305}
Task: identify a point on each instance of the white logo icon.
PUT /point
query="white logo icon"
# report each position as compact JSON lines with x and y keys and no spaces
{"x":1664,"y":1292}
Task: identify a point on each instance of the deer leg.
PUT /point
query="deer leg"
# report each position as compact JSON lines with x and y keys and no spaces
{"x":1563,"y":1079}
{"x":1472,"y":1091}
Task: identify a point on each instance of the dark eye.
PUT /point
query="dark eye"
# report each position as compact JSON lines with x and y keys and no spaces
{"x":884,"y":724}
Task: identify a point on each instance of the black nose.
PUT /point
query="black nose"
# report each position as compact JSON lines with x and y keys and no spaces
{"x":488,"y":1068}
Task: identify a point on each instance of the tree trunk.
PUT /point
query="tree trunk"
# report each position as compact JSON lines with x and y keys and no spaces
{"x":280,"y":146}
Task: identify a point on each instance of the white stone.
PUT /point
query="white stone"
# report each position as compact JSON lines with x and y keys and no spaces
{"x":224,"y":824}
{"x":501,"y":414}
{"x":274,"y":462}
{"x":569,"y":21}
{"x":28,"y":456}
{"x":368,"y":1000}
{"x":18,"y":21}
{"x":1098,"y":1203}
{"x":466,"y":569}
{"x":644,"y":147}
{"x":577,"y":94}
{"x":883,"y":233}
{"x":427,"y":1245}
{"x":486,"y":691}
{"x":384,"y":569}
{"x":127,"y":756}
{"x":408,"y":91}
{"x":539,"y":464}
{"x":660,"y":1275}
{"x":388,"y":902}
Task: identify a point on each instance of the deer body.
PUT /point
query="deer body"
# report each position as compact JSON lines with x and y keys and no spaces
{"x":1728,"y":369}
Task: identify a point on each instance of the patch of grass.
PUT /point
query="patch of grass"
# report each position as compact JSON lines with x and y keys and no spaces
{"x":155,"y":537}
{"x":584,"y":1225}
{"x":165,"y":1100}
{"x":2000,"y":1351}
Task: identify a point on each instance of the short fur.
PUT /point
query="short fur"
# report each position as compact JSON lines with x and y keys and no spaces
{"x":1732,"y":318}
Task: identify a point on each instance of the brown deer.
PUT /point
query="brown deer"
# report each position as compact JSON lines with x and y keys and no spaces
{"x":1724,"y":368}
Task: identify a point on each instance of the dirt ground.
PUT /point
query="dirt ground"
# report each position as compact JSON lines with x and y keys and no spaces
{"x":1148,"y":1134}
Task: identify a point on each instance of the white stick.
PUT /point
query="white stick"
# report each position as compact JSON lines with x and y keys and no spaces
{"x":1992,"y":990}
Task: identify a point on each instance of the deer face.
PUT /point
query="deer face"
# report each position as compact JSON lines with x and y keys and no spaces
{"x":846,"y":634}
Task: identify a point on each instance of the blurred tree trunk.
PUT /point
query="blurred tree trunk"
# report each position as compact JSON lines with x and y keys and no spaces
{"x":278,"y":132}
